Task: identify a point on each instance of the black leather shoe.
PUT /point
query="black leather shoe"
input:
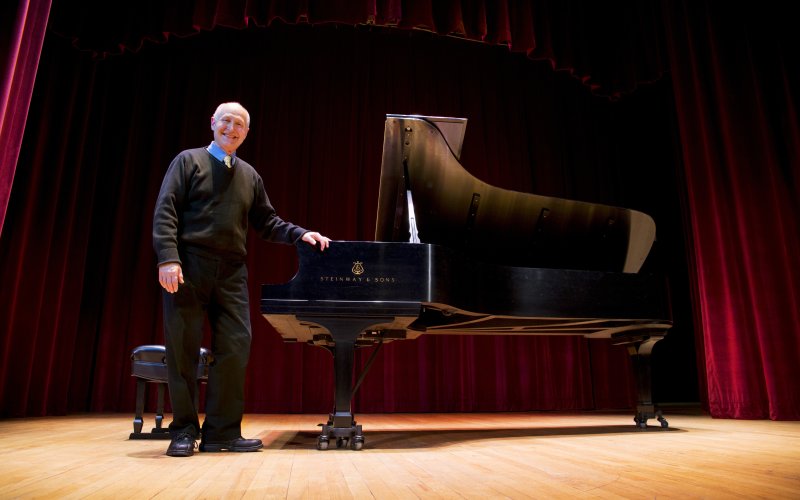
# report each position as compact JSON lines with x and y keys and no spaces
{"x":238,"y":444}
{"x":181,"y":445}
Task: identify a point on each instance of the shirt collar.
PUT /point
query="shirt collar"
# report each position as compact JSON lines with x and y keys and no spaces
{"x":219,"y":153}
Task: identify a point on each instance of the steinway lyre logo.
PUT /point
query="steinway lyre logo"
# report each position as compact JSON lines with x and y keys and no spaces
{"x":358,"y":276}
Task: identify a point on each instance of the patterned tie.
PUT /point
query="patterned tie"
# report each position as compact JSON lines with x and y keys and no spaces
{"x":227,"y":161}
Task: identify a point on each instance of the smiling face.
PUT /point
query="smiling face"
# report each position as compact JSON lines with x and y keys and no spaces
{"x":230,"y":126}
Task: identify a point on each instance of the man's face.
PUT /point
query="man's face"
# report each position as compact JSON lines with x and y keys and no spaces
{"x":230,"y":129}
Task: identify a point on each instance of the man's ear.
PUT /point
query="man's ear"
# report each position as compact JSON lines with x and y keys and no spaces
{"x":212,"y":123}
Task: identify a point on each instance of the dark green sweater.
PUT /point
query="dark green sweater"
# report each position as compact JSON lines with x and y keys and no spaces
{"x":205,"y":205}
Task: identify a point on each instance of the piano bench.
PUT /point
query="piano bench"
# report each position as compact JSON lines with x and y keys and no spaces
{"x":149,"y":364}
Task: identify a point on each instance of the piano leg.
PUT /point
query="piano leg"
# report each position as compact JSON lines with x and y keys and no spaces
{"x":640,"y":348}
{"x":341,"y":425}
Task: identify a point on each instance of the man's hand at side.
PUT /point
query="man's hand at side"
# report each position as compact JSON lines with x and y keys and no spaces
{"x":170,"y":275}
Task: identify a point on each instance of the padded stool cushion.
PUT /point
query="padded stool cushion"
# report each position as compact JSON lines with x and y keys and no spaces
{"x":149,"y":362}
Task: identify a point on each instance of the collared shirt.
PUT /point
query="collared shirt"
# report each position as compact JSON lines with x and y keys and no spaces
{"x":219,"y":153}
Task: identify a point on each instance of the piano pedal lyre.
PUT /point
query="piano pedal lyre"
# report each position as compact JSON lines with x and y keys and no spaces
{"x":352,"y":437}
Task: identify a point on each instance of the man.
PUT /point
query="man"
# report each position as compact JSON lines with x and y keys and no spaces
{"x":208,"y":199}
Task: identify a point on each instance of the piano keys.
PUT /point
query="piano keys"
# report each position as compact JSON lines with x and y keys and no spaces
{"x":427,"y":273}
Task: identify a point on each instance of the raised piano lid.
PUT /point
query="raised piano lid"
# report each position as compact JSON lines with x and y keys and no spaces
{"x":421,"y":156}
{"x":452,"y":129}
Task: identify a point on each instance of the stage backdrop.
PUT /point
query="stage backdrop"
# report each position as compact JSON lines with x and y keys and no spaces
{"x":77,"y":259}
{"x":76,"y":294}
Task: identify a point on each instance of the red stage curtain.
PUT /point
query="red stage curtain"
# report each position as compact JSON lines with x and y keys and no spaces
{"x":736,"y":83}
{"x":79,"y":283}
{"x":22,"y":29}
{"x":734,"y":75}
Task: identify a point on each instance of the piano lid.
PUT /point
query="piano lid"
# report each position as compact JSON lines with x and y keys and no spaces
{"x":452,"y":129}
{"x":426,"y":193}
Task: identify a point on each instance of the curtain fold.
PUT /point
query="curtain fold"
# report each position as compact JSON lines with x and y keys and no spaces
{"x":735,"y":78}
{"x":23,"y":28}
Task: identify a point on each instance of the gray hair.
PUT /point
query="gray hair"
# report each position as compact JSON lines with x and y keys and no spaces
{"x":233,"y":107}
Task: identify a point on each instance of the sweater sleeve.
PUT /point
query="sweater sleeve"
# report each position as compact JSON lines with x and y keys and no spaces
{"x":265,"y":221}
{"x":166,"y":220}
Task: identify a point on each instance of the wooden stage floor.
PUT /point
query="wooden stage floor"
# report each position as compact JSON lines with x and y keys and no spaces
{"x":495,"y":455}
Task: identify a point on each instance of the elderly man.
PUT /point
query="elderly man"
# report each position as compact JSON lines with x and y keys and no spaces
{"x":208,"y":199}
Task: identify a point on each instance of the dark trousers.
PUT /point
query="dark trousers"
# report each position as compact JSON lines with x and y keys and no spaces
{"x":215,"y":288}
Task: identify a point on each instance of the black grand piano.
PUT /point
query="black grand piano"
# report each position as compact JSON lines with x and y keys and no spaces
{"x":454,"y":255}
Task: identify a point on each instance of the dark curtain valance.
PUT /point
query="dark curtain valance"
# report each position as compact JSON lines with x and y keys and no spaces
{"x":611,"y":49}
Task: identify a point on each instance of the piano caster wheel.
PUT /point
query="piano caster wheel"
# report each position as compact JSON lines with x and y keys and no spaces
{"x":341,"y":442}
{"x":663,"y":421}
{"x":322,"y":443}
{"x":357,"y":443}
{"x":640,"y":423}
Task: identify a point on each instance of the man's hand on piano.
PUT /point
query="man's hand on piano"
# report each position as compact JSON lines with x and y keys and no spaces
{"x":313,"y":237}
{"x":170,"y":275}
